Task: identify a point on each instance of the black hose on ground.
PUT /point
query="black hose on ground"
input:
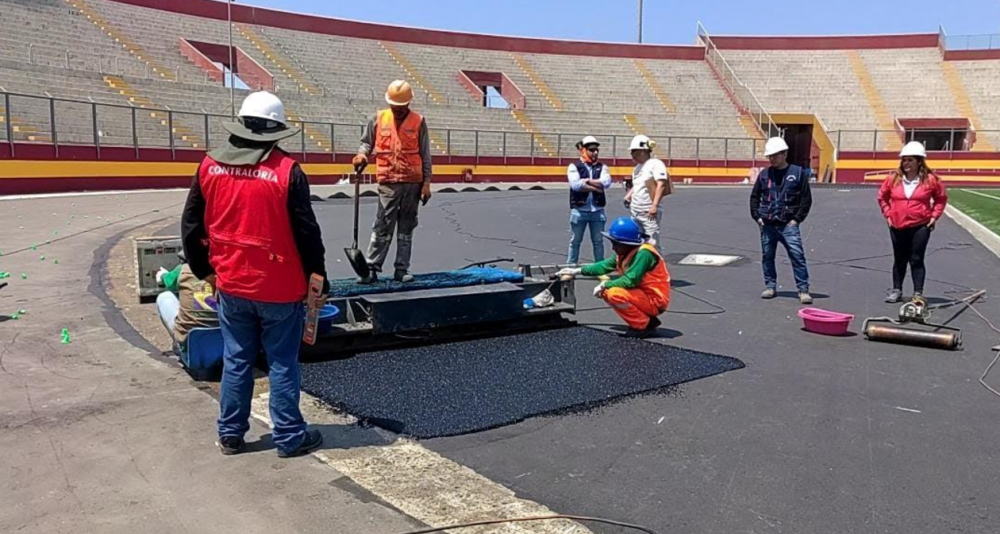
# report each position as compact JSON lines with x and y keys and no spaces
{"x":538,"y":518}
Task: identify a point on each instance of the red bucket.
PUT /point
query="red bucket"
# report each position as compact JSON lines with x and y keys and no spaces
{"x":828,"y":323}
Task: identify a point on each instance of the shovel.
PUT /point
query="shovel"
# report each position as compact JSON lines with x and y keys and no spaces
{"x":358,"y":261}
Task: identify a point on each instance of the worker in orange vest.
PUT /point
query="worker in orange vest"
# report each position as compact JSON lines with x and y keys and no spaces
{"x":398,"y":136}
{"x":641,"y":292}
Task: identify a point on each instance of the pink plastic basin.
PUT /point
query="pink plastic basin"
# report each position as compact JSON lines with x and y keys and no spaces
{"x":825,"y":322}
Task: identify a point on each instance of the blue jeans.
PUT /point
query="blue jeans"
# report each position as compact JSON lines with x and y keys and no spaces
{"x":579,"y":221}
{"x":247,"y":328}
{"x":791,"y":238}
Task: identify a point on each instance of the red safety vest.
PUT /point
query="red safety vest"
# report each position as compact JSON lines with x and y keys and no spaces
{"x":251,"y":246}
{"x":397,"y":149}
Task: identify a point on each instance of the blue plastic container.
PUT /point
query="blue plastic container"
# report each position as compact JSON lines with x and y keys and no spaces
{"x":326,"y":317}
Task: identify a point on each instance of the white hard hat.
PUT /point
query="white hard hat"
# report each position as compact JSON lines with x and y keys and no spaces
{"x":589,"y":140}
{"x":774,"y":146}
{"x":263,"y":105}
{"x":913,"y":148}
{"x":641,"y":142}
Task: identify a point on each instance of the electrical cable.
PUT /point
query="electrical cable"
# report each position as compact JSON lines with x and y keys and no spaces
{"x":537,"y":518}
{"x":982,"y":379}
{"x":719,"y":309}
{"x":968,"y":302}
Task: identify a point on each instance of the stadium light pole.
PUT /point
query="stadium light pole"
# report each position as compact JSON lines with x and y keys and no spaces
{"x":640,"y":21}
{"x":232,"y":80}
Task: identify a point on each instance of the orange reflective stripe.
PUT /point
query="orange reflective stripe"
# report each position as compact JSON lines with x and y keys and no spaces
{"x":397,"y":148}
{"x":656,"y":281}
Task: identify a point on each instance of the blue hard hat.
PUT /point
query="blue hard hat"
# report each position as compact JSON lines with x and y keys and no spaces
{"x":625,"y":230}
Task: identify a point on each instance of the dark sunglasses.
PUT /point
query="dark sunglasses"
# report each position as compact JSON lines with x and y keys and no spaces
{"x":593,"y":148}
{"x":256,"y":124}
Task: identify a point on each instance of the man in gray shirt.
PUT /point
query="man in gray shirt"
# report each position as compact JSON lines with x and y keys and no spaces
{"x":399,"y":139}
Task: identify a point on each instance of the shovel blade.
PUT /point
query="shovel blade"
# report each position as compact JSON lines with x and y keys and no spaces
{"x":358,"y":262}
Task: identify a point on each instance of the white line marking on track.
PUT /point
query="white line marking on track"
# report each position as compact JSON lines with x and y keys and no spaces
{"x":421,"y":483}
{"x":911,"y":410}
{"x":980,"y":194}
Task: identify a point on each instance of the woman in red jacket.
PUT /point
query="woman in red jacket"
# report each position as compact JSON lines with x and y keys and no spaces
{"x":912,"y":200}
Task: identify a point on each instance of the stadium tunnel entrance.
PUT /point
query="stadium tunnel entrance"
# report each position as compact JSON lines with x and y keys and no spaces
{"x":939,"y":134}
{"x":809,"y":144}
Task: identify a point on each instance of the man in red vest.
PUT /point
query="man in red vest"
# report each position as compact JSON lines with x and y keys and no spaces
{"x":398,"y":136}
{"x":248,"y":229}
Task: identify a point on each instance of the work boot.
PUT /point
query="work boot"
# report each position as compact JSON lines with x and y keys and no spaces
{"x":311,"y":442}
{"x":649,"y":331}
{"x":894,"y":296}
{"x":768,"y":294}
{"x":403,"y":276}
{"x":230,"y":445}
{"x":634,"y":333}
{"x":370,"y":279}
{"x":805,"y":297}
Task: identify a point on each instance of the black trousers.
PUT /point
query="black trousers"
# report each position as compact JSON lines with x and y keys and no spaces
{"x":909,"y":246}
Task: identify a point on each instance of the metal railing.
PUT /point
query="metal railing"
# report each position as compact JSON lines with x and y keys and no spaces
{"x":65,"y":122}
{"x":62,"y":122}
{"x":743,"y":94}
{"x":949,"y":140}
{"x":986,"y":41}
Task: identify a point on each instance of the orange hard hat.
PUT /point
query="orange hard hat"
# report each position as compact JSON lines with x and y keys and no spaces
{"x":399,"y":93}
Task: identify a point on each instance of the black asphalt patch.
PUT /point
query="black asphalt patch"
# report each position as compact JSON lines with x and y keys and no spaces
{"x":469,"y":386}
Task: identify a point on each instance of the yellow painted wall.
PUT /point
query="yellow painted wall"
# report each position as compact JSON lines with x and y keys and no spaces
{"x":827,"y":152}
{"x":111,"y":169}
{"x":935,"y":164}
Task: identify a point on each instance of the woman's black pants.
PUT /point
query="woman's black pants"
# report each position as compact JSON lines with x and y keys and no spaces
{"x":909,"y":246}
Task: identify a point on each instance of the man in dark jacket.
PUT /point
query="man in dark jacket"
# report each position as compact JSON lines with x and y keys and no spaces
{"x":779,"y":203}
{"x":249,"y":230}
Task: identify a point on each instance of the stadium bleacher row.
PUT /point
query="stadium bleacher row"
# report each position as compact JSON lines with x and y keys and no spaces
{"x":125,"y":62}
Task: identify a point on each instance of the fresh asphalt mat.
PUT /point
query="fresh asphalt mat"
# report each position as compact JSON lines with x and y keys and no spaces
{"x":469,"y":386}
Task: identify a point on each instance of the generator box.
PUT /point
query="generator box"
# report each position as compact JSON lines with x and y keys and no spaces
{"x":151,"y":254}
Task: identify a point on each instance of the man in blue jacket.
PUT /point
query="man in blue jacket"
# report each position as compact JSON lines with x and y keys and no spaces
{"x":779,"y":203}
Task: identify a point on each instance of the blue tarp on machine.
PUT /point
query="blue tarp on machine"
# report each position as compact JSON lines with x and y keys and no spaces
{"x":473,"y":276}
